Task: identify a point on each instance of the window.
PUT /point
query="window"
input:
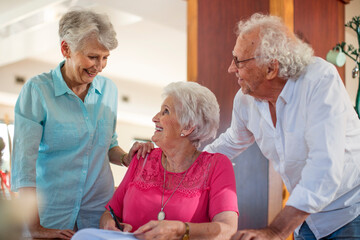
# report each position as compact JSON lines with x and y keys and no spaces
{"x":6,"y":132}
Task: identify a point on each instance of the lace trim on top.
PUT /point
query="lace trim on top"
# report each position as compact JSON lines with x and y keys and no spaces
{"x":150,"y":174}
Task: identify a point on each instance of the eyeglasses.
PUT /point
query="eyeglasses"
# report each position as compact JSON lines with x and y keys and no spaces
{"x":237,"y":62}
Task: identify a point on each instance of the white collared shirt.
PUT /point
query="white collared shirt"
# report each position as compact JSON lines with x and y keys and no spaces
{"x":315,"y":145}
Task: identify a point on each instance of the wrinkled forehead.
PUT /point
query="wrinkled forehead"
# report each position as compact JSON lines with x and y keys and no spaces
{"x":246,"y":44}
{"x":171,"y":101}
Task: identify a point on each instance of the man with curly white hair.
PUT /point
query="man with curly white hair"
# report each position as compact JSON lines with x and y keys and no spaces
{"x":296,"y":108}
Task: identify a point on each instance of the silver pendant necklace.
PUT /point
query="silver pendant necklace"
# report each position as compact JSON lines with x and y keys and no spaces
{"x":161,"y":214}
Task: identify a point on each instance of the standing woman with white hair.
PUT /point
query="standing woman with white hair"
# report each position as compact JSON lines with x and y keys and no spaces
{"x":65,"y":131}
{"x":177,"y":191}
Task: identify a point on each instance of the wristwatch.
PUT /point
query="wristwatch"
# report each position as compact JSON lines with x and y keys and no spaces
{"x":187,"y":230}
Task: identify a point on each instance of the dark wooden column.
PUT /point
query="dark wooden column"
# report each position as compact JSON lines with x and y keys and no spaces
{"x":321,"y":24}
{"x":211,"y":41}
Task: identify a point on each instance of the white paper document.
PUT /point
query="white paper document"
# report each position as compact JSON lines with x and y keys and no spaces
{"x":100,"y":234}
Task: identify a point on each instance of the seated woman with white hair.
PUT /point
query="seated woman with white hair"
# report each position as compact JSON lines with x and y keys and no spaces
{"x":177,"y":191}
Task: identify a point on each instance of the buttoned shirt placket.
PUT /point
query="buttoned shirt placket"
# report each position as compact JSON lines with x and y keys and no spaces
{"x":86,"y":157}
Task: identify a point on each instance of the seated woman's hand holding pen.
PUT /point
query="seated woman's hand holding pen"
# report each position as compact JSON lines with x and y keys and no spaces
{"x":107,"y":222}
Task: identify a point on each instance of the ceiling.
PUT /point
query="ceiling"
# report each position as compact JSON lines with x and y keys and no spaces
{"x":151,"y":51}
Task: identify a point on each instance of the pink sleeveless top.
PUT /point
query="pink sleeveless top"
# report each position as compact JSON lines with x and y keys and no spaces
{"x":207,"y":189}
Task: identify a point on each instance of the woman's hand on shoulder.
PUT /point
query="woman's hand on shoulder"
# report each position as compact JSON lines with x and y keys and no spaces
{"x":140,"y":149}
{"x":161,"y":230}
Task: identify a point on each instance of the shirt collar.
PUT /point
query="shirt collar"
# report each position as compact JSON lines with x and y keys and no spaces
{"x":96,"y":86}
{"x":288,"y":90}
{"x":61,"y":87}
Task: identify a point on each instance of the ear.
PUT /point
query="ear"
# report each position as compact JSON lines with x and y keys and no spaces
{"x":272,"y":69}
{"x":187,"y":132}
{"x":65,"y":49}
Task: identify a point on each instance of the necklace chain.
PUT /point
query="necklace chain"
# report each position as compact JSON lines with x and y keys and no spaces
{"x":162,"y":198}
{"x":161,"y":215}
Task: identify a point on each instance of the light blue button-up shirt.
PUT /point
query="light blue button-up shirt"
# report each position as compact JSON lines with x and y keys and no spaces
{"x":61,"y":147}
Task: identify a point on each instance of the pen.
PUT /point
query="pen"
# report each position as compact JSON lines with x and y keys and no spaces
{"x":115,"y":219}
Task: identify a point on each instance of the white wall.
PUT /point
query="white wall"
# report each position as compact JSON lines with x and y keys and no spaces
{"x":126,"y":133}
{"x":352,"y":9}
{"x":151,"y":54}
{"x":134,"y":117}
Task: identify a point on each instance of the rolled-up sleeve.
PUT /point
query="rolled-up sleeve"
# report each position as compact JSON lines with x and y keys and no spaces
{"x":325,"y":139}
{"x":29,"y":120}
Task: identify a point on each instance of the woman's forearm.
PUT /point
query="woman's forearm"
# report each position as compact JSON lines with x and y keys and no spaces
{"x":222,"y":227}
{"x":117,"y":156}
{"x":28,"y":194}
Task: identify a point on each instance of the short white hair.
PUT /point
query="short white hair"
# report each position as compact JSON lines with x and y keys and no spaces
{"x":76,"y":26}
{"x":277,"y":42}
{"x":195,"y":106}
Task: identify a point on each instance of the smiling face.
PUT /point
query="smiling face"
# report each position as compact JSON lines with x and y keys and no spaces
{"x":83,"y":65}
{"x":251,"y":77}
{"x":167,"y":127}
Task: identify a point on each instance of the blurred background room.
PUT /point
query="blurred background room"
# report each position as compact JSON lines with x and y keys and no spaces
{"x":162,"y":41}
{"x":151,"y":54}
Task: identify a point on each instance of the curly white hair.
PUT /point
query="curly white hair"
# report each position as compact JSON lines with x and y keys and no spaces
{"x":277,"y":42}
